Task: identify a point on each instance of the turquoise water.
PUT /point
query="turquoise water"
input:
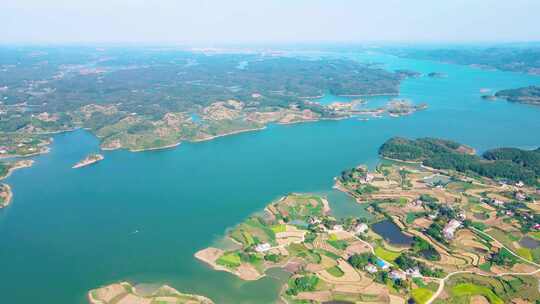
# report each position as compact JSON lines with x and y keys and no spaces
{"x":68,"y":231}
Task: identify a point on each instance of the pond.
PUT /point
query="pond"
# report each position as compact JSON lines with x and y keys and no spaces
{"x":391,"y":233}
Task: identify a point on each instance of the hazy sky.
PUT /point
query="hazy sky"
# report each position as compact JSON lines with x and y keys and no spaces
{"x":219,"y":21}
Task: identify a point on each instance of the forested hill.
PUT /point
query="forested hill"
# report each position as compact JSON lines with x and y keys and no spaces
{"x":530,"y":95}
{"x":504,"y":58}
{"x":502,"y":163}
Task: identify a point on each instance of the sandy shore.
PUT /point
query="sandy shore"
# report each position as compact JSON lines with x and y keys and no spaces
{"x":153,"y":149}
{"x":124,"y":292}
{"x":18,"y":165}
{"x":88,"y":161}
{"x":229,"y":133}
{"x":244,"y":271}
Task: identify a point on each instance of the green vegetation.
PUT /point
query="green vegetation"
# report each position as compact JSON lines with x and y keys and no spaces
{"x":230,"y":260}
{"x":470,"y":289}
{"x":529,"y":95}
{"x":525,"y":253}
{"x":303,"y":283}
{"x":335,"y":271}
{"x":425,"y":249}
{"x":411,"y":216}
{"x":505,"y":163}
{"x":359,"y":261}
{"x":127,"y":96}
{"x":386,"y":254}
{"x":338,"y":244}
{"x":278,"y":228}
{"x":253,"y":231}
{"x":4,"y":169}
{"x":513,"y":58}
{"x":503,"y":258}
{"x":421,"y":295}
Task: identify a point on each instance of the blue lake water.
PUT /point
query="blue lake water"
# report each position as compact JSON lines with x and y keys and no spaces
{"x":68,"y":231}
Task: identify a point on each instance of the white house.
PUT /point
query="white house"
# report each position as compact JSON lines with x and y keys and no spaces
{"x":413,"y":272}
{"x":370,"y":268}
{"x":361,"y":228}
{"x":450,"y":229}
{"x":263,"y":247}
{"x":397,"y":275}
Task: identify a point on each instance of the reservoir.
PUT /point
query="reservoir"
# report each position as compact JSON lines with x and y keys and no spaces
{"x":68,"y":231}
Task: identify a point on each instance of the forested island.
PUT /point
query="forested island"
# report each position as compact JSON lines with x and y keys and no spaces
{"x":529,"y":95}
{"x":511,"y":164}
{"x":140,"y":99}
{"x":514,"y":58}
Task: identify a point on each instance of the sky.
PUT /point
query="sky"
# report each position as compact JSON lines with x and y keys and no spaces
{"x":268,"y":21}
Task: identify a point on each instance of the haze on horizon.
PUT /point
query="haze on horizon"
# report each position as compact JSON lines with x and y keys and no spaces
{"x":243,"y":21}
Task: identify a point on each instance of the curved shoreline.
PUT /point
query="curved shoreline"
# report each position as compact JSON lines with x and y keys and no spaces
{"x":8,"y":198}
{"x":89,"y":160}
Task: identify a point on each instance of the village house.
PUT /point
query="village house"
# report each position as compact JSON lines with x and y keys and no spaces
{"x":520,"y":196}
{"x":361,"y":228}
{"x":397,"y":275}
{"x":450,"y":229}
{"x":370,"y":268}
{"x":497,"y":203}
{"x":263,"y":247}
{"x":413,"y":272}
{"x":337,"y":228}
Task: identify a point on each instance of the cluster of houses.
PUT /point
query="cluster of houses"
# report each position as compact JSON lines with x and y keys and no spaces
{"x":395,"y":274}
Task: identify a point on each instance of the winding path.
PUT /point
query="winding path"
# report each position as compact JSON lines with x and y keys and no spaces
{"x":443,"y":280}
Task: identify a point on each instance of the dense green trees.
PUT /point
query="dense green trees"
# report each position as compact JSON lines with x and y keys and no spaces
{"x":530,"y":94}
{"x":359,"y":261}
{"x":503,"y":163}
{"x":303,"y":283}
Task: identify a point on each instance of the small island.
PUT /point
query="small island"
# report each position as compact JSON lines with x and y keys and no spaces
{"x":400,"y":107}
{"x":124,"y":292}
{"x":90,"y":159}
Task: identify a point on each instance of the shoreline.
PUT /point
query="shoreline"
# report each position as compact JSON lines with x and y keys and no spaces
{"x":209,"y":256}
{"x":18,"y":165}
{"x":88,"y":161}
{"x":149,"y":149}
{"x":9,"y":197}
{"x":229,"y":133}
{"x":45,"y":150}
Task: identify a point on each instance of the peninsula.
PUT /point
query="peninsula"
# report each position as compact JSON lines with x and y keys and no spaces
{"x":124,"y":292}
{"x":434,"y":235}
{"x":6,"y":169}
{"x":89,"y":160}
{"x":528,"y":95}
